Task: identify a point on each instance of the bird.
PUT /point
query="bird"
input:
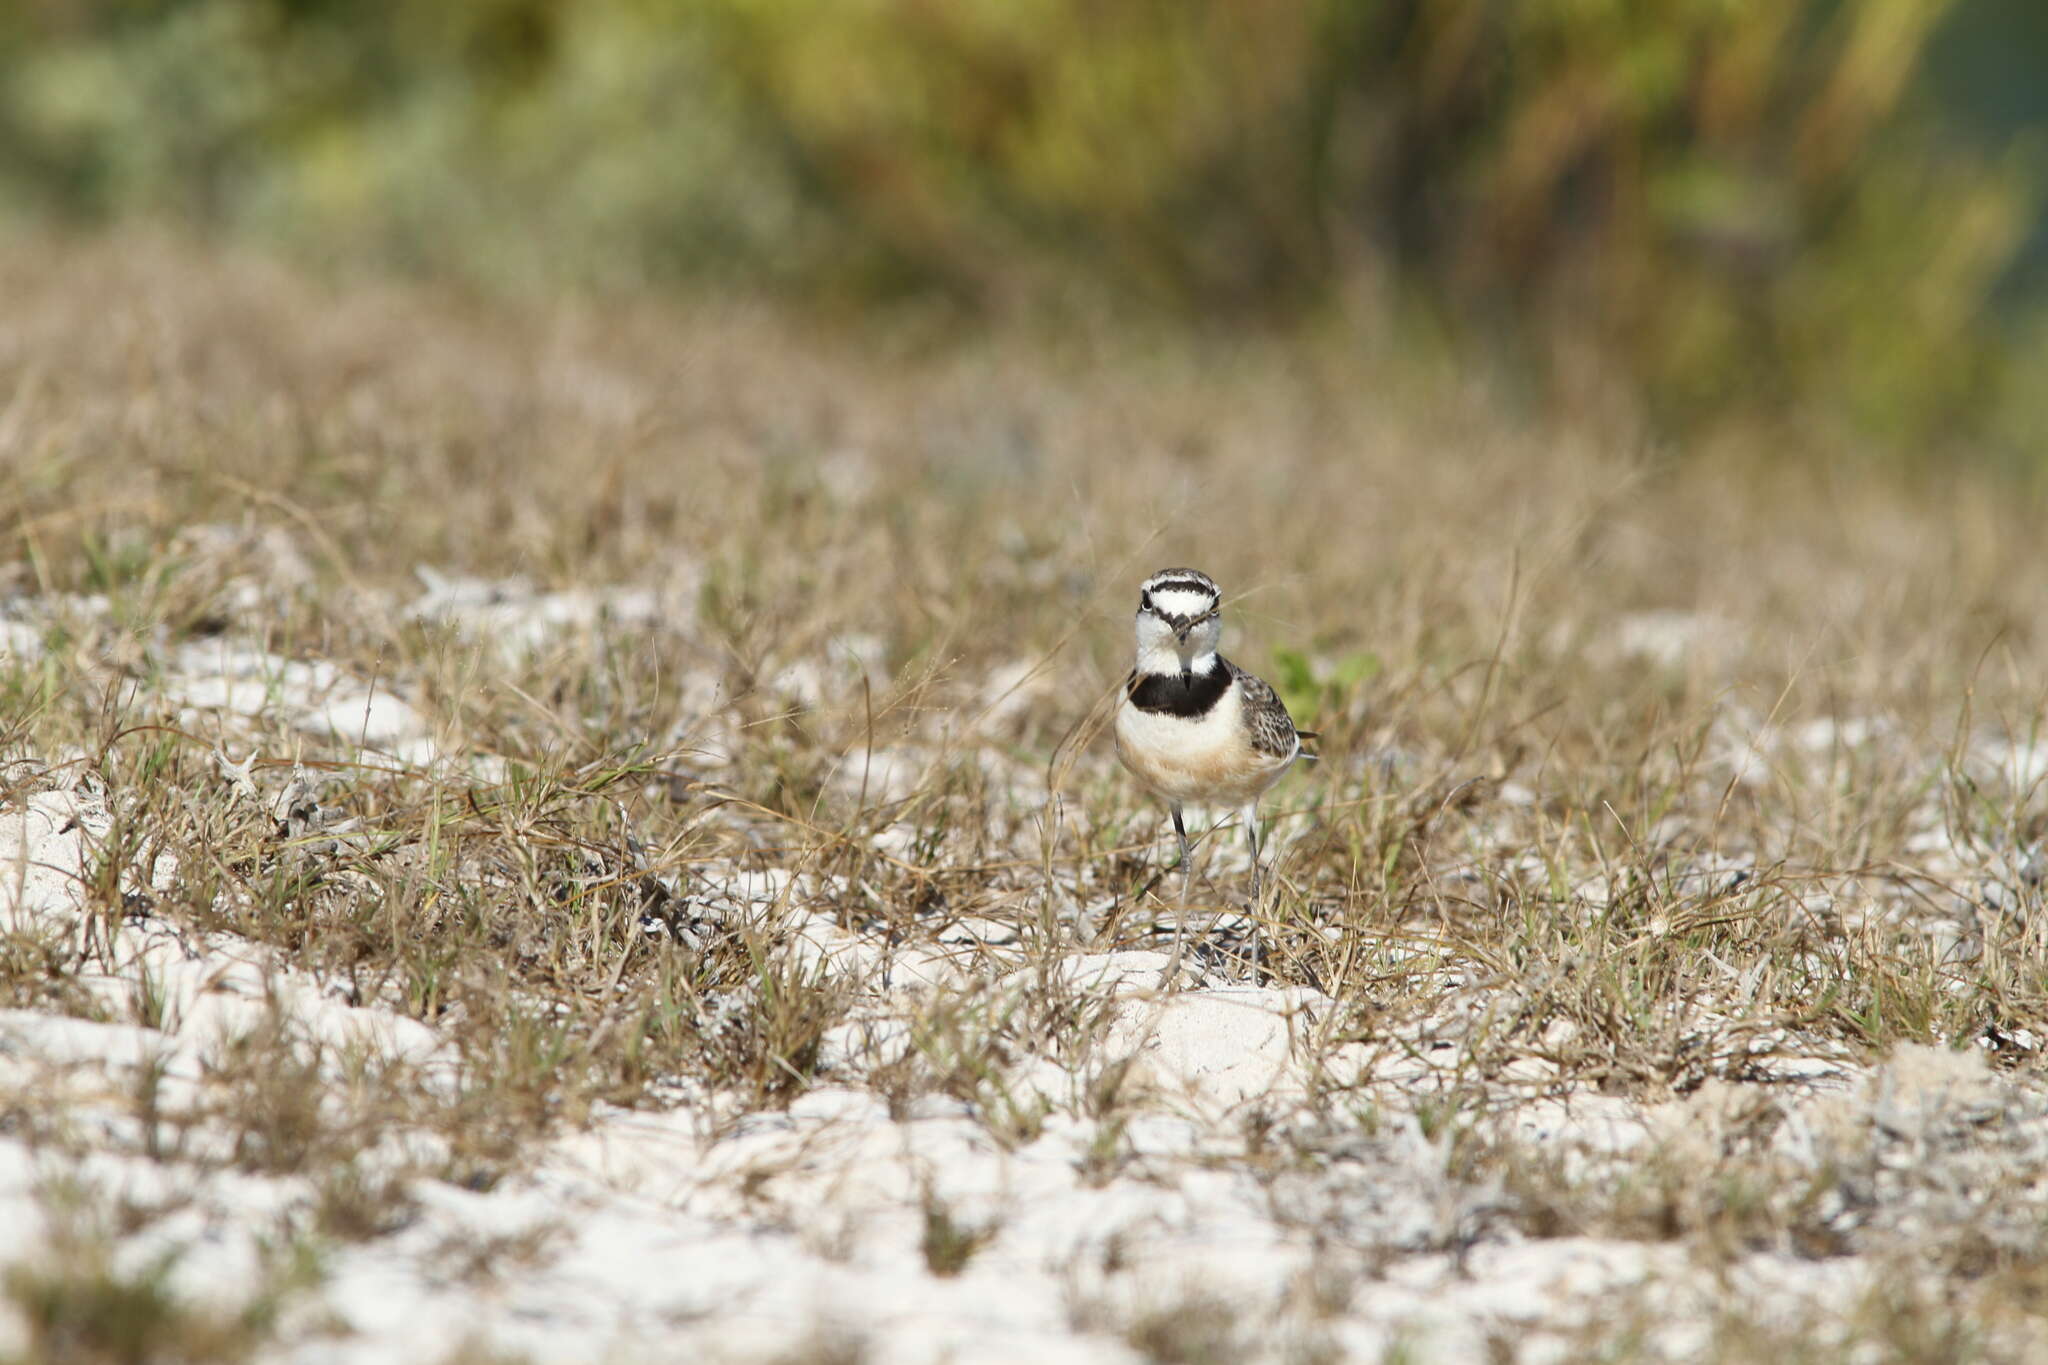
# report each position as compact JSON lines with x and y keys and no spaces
{"x":1192,"y":726}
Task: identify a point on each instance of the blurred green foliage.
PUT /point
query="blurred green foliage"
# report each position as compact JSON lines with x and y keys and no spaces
{"x":1741,"y":204}
{"x":1312,"y":688}
{"x":500,"y":140}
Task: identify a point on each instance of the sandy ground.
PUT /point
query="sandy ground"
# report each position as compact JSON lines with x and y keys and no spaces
{"x":1277,"y":1195}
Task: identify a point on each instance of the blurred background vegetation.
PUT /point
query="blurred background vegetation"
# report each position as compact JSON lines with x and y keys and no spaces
{"x":1821,"y":215}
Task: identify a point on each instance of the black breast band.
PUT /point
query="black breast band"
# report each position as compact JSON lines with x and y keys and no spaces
{"x":1180,"y":694}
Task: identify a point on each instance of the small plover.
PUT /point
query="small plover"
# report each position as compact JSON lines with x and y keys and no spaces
{"x":1193,"y":726}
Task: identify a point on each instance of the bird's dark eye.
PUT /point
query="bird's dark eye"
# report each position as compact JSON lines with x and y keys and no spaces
{"x":1145,"y":602}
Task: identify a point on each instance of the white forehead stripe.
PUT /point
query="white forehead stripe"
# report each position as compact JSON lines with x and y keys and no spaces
{"x":1182,"y":603}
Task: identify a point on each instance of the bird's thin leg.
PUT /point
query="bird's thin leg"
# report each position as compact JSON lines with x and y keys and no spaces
{"x":1187,"y":860}
{"x":1187,"y":893}
{"x":1251,"y":834}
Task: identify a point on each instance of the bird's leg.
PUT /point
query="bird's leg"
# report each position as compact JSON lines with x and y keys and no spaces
{"x":1187,"y":893}
{"x":1251,"y":834}
{"x":1187,"y":860}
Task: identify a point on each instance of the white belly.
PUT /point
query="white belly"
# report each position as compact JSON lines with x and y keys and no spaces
{"x":1209,"y":759}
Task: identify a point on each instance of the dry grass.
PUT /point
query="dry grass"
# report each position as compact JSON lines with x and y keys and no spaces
{"x":1642,"y":774}
{"x":82,"y":1303}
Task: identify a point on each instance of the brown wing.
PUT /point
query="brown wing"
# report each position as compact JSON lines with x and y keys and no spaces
{"x":1272,"y":729}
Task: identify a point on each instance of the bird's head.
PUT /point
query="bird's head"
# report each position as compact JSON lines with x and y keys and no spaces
{"x":1178,"y":625}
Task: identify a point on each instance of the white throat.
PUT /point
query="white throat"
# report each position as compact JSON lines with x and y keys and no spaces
{"x":1160,"y":651}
